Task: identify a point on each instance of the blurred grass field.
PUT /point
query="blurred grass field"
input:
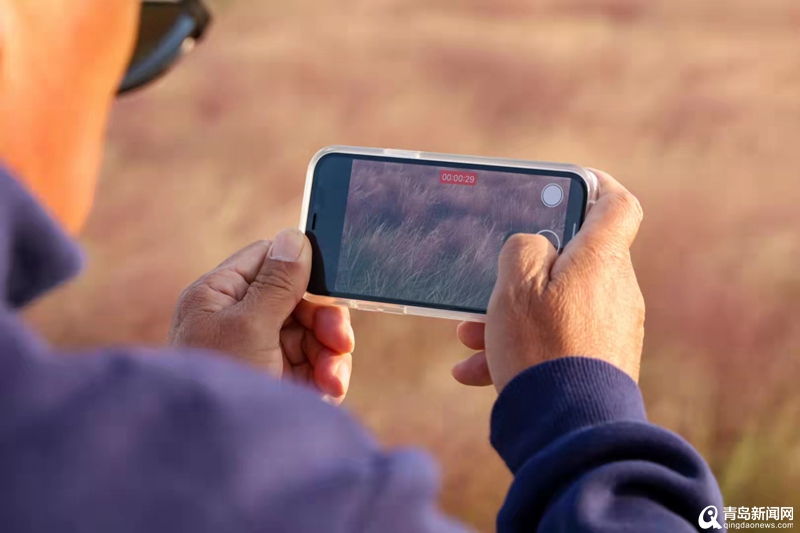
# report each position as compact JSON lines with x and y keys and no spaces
{"x":694,"y":105}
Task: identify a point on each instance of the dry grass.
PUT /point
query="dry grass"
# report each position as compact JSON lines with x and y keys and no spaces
{"x":693,"y":105}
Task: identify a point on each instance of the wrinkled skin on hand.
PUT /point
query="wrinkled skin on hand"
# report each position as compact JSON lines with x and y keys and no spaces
{"x":251,"y":308}
{"x":585,"y":302}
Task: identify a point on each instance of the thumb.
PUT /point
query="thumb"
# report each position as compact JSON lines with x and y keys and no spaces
{"x":282,"y":279}
{"x":522,"y":277}
{"x":525,"y":263}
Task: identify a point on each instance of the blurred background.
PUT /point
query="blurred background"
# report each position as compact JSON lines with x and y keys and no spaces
{"x":694,"y":105}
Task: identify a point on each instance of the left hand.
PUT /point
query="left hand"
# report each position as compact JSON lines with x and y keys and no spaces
{"x":251,"y":307}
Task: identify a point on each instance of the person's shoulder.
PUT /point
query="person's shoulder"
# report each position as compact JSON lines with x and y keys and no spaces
{"x":130,"y":436}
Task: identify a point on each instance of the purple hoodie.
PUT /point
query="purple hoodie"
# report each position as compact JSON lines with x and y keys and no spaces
{"x":116,"y":441}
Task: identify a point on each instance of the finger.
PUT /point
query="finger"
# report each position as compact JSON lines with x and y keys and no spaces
{"x":309,"y":361}
{"x":247,"y":261}
{"x":331,"y":324}
{"x":471,"y":335}
{"x":282,"y":279}
{"x":525,"y":263}
{"x":607,"y":183}
{"x":301,"y":375}
{"x":473,"y":371}
{"x":306,"y":312}
{"x":333,"y":329}
{"x":332,"y":373}
{"x":298,"y":345}
{"x":231,"y":279}
{"x":614,"y":220}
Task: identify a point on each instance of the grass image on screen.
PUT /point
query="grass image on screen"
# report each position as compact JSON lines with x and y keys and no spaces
{"x":422,"y":233}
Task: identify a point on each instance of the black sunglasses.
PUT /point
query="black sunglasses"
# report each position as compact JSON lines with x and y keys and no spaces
{"x":168,"y":30}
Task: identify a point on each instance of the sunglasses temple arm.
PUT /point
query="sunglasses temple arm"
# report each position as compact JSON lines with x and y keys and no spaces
{"x":165,"y":54}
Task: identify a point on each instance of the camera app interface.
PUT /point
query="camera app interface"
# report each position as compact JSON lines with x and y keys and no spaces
{"x":422,"y":233}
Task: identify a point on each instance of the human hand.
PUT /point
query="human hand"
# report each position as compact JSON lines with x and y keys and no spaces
{"x":585,"y":302}
{"x":251,"y":307}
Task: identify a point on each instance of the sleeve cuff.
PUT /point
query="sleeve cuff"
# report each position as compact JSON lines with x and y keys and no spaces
{"x":558,"y":397}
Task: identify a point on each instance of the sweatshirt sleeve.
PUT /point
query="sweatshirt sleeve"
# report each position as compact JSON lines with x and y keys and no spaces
{"x":585,"y":459}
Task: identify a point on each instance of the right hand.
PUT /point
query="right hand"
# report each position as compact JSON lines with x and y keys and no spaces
{"x":585,"y":302}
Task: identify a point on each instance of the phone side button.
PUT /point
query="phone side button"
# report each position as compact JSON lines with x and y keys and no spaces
{"x":394,"y":310}
{"x":403,"y":153}
{"x":368,"y":307}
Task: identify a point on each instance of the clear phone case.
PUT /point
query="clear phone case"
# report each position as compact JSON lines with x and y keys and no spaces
{"x":366,"y":305}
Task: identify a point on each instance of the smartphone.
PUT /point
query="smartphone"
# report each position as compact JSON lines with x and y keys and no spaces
{"x":420,"y":233}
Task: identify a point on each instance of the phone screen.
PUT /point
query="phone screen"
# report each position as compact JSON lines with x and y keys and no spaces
{"x":429,"y":233}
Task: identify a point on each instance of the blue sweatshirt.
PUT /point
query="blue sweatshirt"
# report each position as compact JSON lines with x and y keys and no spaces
{"x":119,"y":440}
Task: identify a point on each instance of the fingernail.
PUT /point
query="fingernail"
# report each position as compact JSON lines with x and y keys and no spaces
{"x":288,"y":245}
{"x":327,"y":398}
{"x":342,"y":372}
{"x":336,"y":370}
{"x":352,"y":336}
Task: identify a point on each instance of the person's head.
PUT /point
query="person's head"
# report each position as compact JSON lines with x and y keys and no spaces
{"x":61,"y":65}
{"x":61,"y":62}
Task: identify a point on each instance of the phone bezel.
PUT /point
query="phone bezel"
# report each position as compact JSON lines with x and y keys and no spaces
{"x":334,"y":211}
